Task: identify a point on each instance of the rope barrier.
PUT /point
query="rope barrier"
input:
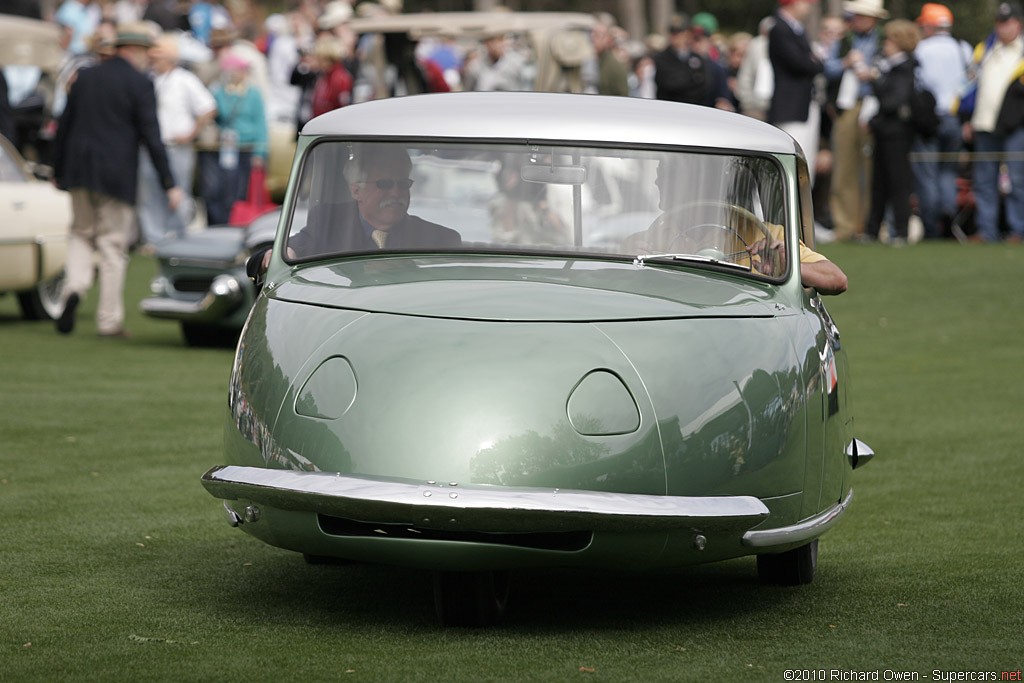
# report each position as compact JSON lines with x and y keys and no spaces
{"x":965,"y":157}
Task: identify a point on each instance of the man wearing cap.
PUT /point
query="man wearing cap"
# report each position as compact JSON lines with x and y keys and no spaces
{"x":999,"y":62}
{"x":708,"y":27}
{"x":683,"y":74}
{"x":111,"y":108}
{"x":793,"y":107}
{"x":942,"y":64}
{"x":850,"y":195}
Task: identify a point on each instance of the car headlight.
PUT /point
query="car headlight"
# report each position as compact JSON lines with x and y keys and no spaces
{"x":225,"y":285}
{"x":159,"y":285}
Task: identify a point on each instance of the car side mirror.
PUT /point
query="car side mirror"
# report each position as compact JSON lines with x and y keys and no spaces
{"x":40,"y":171}
{"x":254,"y":267}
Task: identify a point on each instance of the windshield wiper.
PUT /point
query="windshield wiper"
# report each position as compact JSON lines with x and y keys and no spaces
{"x":640,"y":259}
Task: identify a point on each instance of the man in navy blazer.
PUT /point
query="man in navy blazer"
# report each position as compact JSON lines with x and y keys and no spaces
{"x":377,"y":218}
{"x":111,"y":110}
{"x":795,"y":65}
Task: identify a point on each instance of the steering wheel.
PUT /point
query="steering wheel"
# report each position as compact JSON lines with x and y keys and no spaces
{"x":669,"y":224}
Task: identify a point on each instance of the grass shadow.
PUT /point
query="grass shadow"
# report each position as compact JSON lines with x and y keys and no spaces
{"x":291,"y":591}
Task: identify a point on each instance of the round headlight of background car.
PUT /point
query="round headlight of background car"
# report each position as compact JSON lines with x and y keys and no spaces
{"x":225,"y":286}
{"x":159,"y":285}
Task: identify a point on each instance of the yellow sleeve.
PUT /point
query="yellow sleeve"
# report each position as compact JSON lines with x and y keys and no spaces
{"x":808,"y":255}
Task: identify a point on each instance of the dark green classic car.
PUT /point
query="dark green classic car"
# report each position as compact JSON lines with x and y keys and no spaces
{"x":507,"y":330}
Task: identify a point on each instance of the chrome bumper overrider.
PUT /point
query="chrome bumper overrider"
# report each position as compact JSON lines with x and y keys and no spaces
{"x":804,"y":531}
{"x":223,"y":298}
{"x":450,"y":506}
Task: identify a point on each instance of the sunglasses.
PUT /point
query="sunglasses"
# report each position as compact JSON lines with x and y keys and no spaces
{"x":386,"y":184}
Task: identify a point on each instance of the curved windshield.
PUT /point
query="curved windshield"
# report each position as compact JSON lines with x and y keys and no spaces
{"x":647,"y":205}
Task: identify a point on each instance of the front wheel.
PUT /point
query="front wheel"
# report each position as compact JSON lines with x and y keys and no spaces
{"x":208,"y":335}
{"x":470,"y":598}
{"x":45,"y":301}
{"x":794,"y":567}
{"x":324,"y":559}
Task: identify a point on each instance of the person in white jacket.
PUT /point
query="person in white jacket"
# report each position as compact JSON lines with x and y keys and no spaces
{"x":184,"y":106}
{"x":754,"y":80}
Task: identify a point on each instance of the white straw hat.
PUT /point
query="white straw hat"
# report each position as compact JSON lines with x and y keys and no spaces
{"x":867,"y":8}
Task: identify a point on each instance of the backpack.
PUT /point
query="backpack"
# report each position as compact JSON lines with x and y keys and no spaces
{"x":923,"y":118}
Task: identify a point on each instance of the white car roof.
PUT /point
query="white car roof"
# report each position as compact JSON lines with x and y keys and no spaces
{"x":472,"y":25}
{"x":532,"y":116}
{"x":29,"y":42}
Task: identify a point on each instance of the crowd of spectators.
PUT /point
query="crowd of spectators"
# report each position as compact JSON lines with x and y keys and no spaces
{"x":226,"y":78}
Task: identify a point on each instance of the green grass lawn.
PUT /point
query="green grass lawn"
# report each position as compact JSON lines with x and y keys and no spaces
{"x":115,"y":564}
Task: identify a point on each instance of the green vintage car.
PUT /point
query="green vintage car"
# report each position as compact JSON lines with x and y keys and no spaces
{"x":596,"y":351}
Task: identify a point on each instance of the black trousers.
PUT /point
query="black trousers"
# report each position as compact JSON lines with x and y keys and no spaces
{"x":891,"y":184}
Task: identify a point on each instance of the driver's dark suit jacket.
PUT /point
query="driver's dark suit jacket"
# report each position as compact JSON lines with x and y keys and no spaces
{"x":336,"y":228}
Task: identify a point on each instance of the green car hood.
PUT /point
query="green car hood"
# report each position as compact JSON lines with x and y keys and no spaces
{"x":541,"y":289}
{"x":535,"y":382}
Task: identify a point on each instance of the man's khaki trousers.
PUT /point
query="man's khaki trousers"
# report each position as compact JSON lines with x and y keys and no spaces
{"x":100,"y":232}
{"x":850,"y":196}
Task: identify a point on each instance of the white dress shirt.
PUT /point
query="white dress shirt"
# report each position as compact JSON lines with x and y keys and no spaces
{"x":181,"y":98}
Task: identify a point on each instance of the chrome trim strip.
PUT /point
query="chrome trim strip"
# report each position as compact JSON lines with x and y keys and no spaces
{"x":197,"y":262}
{"x":34,"y":240}
{"x":39,"y":245}
{"x":804,"y":531}
{"x":224,"y":296}
{"x":433,"y":505}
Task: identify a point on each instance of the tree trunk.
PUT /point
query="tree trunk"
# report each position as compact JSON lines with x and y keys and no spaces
{"x":661,"y":14}
{"x":632,"y":16}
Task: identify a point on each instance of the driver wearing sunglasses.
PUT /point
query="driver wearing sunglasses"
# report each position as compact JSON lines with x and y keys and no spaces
{"x":377,"y":218}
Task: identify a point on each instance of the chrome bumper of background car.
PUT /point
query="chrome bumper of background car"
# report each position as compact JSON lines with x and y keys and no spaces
{"x":223,"y":298}
{"x":451,"y":506}
{"x":804,"y":531}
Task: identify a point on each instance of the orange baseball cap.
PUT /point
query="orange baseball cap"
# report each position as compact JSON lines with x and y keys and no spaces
{"x":934,"y":14}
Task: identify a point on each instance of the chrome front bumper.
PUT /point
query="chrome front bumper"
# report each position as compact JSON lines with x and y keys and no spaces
{"x":455,"y":507}
{"x":225,"y":295}
{"x":799,"y":533}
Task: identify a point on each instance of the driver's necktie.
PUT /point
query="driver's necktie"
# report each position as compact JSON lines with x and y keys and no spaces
{"x":380,"y":237}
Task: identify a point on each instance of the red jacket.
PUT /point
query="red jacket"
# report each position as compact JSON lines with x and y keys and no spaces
{"x":333,"y":89}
